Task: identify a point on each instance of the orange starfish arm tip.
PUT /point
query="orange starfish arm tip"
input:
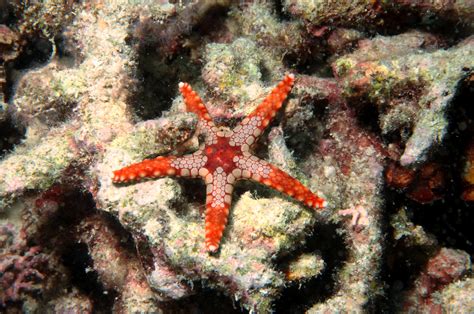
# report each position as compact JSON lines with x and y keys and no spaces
{"x":269,"y":107}
{"x":219,"y":187}
{"x":286,"y":184}
{"x":193,"y":101}
{"x":216,"y":221}
{"x":149,"y":168}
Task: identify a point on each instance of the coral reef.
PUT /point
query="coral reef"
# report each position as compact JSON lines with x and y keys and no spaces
{"x":116,"y":269}
{"x":28,"y":271}
{"x":378,"y":122}
{"x":412,"y":90}
{"x":351,"y":161}
{"x":375,"y":14}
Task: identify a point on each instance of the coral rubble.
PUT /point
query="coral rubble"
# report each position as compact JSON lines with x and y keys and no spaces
{"x":378,"y":121}
{"x":415,"y":88}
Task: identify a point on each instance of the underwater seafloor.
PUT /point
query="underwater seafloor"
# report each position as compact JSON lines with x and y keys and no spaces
{"x":380,"y":120}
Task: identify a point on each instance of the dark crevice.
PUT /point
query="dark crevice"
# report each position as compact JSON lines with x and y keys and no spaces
{"x":402,"y":266}
{"x":194,"y":191}
{"x":77,"y":260}
{"x":34,"y":52}
{"x":266,"y":73}
{"x":311,"y":56}
{"x":74,"y":205}
{"x":444,"y":26}
{"x":206,"y":301}
{"x":280,"y":12}
{"x":302,"y":140}
{"x":58,"y":234}
{"x":169,"y":53}
{"x":299,"y":297}
{"x":159,"y":80}
{"x":368,"y":117}
{"x":313,"y":61}
{"x":67,"y":52}
{"x":403,"y":261}
{"x":6,"y":12}
{"x":210,"y":26}
{"x":10,"y":136}
{"x":37,"y":51}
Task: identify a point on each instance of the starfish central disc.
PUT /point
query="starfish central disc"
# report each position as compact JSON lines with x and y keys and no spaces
{"x":221,"y":154}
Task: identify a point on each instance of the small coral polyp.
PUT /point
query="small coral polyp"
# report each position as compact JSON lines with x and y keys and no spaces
{"x":225,"y":159}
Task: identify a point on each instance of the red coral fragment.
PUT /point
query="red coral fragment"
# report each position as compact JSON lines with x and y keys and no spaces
{"x":423,"y":186}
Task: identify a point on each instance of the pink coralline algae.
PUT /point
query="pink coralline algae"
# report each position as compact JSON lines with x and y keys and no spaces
{"x":445,"y":267}
{"x":20,"y":268}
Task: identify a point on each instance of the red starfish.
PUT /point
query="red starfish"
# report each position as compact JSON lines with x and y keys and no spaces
{"x":224,"y":159}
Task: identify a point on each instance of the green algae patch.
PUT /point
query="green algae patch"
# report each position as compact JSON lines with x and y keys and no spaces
{"x":35,"y":168}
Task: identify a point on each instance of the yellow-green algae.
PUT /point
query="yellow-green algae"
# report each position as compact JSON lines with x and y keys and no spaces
{"x":457,"y":296}
{"x":35,"y":167}
{"x":304,"y":267}
{"x":231,"y":68}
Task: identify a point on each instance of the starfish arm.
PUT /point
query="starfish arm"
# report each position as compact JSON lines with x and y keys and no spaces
{"x":253,"y":168}
{"x":191,"y":165}
{"x":148,"y":168}
{"x":194,"y":102}
{"x":218,"y":200}
{"x":161,"y":166}
{"x":250,"y":128}
{"x":195,"y":105}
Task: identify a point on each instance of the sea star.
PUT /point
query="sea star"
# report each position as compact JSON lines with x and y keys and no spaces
{"x":225,"y":158}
